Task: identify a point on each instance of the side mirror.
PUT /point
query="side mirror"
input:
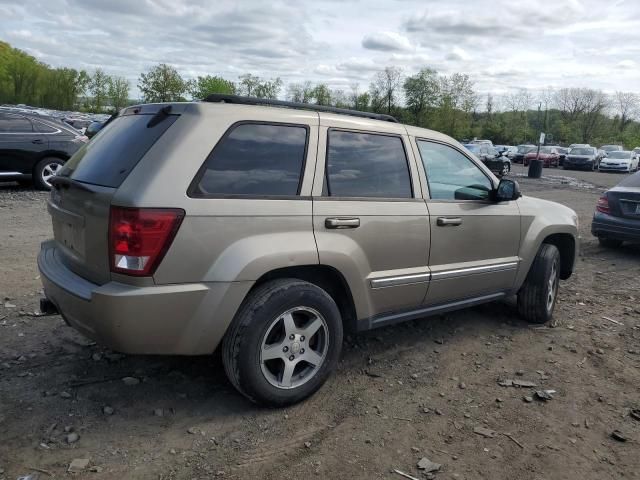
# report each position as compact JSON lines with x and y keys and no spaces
{"x":507,"y":190}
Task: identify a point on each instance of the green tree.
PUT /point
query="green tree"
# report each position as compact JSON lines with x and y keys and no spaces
{"x":203,"y":86}
{"x":99,"y":89}
{"x":162,"y":83}
{"x":421,"y":92}
{"x":118,"y":92}
{"x":322,"y":94}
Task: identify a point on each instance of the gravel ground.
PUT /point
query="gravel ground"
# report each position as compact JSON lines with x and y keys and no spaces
{"x":425,"y":389}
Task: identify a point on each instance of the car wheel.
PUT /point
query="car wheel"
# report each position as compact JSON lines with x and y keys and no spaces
{"x":45,"y":170}
{"x":506,"y":168}
{"x":609,"y":242}
{"x":283,"y":343}
{"x":537,"y":297}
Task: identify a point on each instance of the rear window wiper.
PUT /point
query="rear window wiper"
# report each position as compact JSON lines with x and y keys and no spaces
{"x":65,"y":182}
{"x":162,"y":114}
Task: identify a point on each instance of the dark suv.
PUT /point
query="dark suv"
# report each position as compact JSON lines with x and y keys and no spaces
{"x":34,"y":147}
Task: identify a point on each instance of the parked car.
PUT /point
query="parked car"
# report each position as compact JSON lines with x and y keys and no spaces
{"x":33,"y":148}
{"x":549,"y":156}
{"x":611,"y":148}
{"x":521,"y":151}
{"x":510,"y":151}
{"x":93,"y":128}
{"x":619,"y":161}
{"x":617,"y":215}
{"x":585,"y":158}
{"x":182,"y":226}
{"x":562,"y":152}
{"x":479,"y":141}
{"x":490,"y":157}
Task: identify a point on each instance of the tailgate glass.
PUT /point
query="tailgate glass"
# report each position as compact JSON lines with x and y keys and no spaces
{"x":115,"y":151}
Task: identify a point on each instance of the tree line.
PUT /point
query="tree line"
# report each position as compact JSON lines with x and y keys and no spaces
{"x":446,"y":103}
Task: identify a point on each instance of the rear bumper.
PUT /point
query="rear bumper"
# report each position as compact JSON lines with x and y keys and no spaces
{"x":619,"y":228}
{"x":183,"y":319}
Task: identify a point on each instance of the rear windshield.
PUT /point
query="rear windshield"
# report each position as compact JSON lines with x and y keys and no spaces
{"x":632,"y":181}
{"x":581,"y":151}
{"x":110,"y":156}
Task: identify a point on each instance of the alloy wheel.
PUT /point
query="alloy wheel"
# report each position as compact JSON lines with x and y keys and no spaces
{"x":49,"y":171}
{"x":294,"y":347}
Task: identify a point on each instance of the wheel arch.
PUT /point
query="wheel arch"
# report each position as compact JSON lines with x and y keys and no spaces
{"x":326,"y":277}
{"x":566,"y":245}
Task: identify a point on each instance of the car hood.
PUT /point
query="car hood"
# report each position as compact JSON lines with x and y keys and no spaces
{"x":581,"y":157}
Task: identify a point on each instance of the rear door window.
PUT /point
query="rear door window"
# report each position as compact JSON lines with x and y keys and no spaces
{"x":109,"y":158}
{"x":366,"y":165}
{"x":15,"y":124}
{"x":255,"y":159}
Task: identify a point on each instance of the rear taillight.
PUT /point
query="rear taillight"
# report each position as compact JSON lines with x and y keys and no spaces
{"x":603,"y":204}
{"x":139,"y":238}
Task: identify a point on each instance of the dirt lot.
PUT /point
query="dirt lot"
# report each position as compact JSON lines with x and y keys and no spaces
{"x":402,"y":393}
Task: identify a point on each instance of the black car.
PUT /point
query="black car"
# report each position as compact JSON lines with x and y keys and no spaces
{"x":585,"y":158}
{"x":563,"y":152}
{"x":33,"y":148}
{"x":617,"y":215}
{"x":490,"y":157}
{"x":521,"y":151}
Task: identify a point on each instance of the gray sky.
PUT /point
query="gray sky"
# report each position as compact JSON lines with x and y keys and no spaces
{"x":502,"y":45}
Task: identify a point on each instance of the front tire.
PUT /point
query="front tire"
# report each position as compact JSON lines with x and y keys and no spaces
{"x":283,"y":343}
{"x":537,"y":297}
{"x":45,"y":170}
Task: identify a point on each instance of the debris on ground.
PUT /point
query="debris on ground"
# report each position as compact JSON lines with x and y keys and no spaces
{"x":405,"y":475}
{"x":107,"y":410}
{"x":635,"y":414}
{"x":428,"y":466}
{"x":73,"y":437}
{"x":516,"y":383}
{"x":78,"y":465}
{"x":618,"y":435}
{"x":485,"y":432}
{"x":544,"y":395}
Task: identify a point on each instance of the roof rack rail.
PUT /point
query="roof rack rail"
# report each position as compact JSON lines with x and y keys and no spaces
{"x":240,"y":100}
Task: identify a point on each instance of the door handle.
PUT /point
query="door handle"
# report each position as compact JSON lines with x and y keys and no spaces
{"x":449,"y":221}
{"x":342,"y":222}
{"x":38,"y":141}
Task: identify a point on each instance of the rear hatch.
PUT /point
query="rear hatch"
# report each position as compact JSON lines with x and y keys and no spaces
{"x":82,"y":193}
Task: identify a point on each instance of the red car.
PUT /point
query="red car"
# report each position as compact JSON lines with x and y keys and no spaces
{"x":549,"y":155}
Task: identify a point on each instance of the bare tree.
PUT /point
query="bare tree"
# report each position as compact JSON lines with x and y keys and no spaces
{"x":627,"y":106}
{"x":386,"y":85}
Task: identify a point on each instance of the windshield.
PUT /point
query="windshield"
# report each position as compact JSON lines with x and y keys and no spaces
{"x":547,"y":150}
{"x":582,"y":151}
{"x":610,"y":148}
{"x":563,"y":150}
{"x":472,"y":147}
{"x":525,"y":148}
{"x":626,"y":155}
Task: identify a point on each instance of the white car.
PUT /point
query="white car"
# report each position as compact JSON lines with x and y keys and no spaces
{"x":620,"y":161}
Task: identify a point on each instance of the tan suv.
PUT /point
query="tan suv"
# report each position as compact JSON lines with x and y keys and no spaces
{"x":270,"y":228}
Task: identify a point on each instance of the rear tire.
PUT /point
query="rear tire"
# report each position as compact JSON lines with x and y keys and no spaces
{"x":609,"y":242}
{"x":45,"y":170}
{"x":271,"y":323}
{"x":537,"y":297}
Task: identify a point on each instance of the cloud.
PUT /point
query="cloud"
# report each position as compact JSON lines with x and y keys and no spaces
{"x":387,"y":42}
{"x":501,"y":44}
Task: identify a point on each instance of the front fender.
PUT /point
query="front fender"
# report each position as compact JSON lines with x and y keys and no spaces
{"x":539,"y":220}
